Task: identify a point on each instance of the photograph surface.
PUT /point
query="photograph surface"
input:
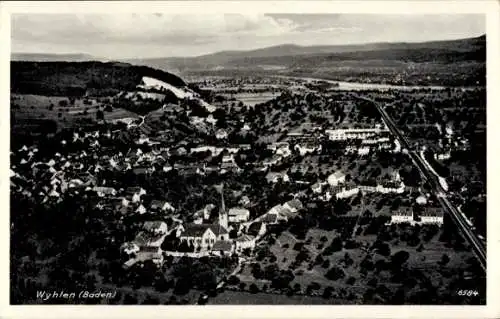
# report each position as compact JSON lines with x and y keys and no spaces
{"x":248,"y":159}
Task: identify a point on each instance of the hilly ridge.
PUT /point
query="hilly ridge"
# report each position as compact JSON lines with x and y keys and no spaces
{"x":442,"y":51}
{"x":81,"y":78}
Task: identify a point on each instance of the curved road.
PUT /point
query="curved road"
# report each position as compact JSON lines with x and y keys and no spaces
{"x":441,"y":194}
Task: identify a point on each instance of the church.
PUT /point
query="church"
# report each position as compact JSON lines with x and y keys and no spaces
{"x":204,"y":236}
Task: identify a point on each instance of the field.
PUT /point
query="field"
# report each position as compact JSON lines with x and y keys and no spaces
{"x":252,"y":99}
{"x":231,"y":297}
{"x":310,"y":275}
{"x":26,"y":107}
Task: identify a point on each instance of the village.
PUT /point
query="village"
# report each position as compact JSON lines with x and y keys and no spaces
{"x":242,"y":181}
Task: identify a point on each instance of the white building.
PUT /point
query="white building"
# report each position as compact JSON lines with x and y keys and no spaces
{"x":274,"y":177}
{"x":347,"y":191}
{"x":238,"y":215}
{"x":402,"y":215}
{"x":130,"y":248}
{"x":245,"y":242}
{"x":307,"y":148}
{"x":432,"y":215}
{"x":353,"y":133}
{"x":221,"y":134}
{"x":364,"y":150}
{"x":155,"y":227}
{"x":421,"y":200}
{"x":336,"y":178}
{"x":141,"y":209}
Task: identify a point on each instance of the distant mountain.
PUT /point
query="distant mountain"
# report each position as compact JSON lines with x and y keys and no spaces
{"x":42,"y":57}
{"x":470,"y":48}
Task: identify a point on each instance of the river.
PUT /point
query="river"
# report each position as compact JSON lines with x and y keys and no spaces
{"x":342,"y":85}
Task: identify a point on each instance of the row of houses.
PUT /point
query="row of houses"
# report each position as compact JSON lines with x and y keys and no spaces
{"x":429,"y":215}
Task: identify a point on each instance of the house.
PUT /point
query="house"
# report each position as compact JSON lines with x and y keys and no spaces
{"x":157,"y":205}
{"x":130,"y":248}
{"x":272,"y":161}
{"x":391,"y":187}
{"x":306,"y":148}
{"x":346,"y":191}
{"x":223,"y":248}
{"x":104,"y":191}
{"x":141,"y":209}
{"x":402,"y":215}
{"x":149,"y":240}
{"x":244,"y":242}
{"x":244,"y":201}
{"x":317,"y":187}
{"x":269,"y":218}
{"x":353,"y":133}
{"x":285,"y":213}
{"x":364,"y":150}
{"x":135,"y":193}
{"x":336,"y":178}
{"x":155,"y":227}
{"x":274,"y":177}
{"x":221,"y":134}
{"x":198,"y":236}
{"x":151,"y":254}
{"x":238,"y":215}
{"x":294,"y":205}
{"x":432,"y":215}
{"x":143,"y":139}
{"x":125,"y":202}
{"x":257,"y":229}
{"x":181,"y":151}
{"x":421,"y":200}
{"x":140,"y":170}
{"x":228,"y":158}
{"x":129,"y":263}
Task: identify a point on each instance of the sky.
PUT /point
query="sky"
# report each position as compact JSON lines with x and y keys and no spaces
{"x":166,"y":35}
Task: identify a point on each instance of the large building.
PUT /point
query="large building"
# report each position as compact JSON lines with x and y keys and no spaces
{"x":204,"y":236}
{"x":402,"y":215}
{"x":353,"y":133}
{"x":432,"y":215}
{"x":238,"y":215}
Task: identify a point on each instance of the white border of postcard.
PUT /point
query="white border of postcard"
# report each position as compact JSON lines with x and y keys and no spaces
{"x":489,"y":8}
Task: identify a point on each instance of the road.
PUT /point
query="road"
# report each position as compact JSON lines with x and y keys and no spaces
{"x":441,"y":194}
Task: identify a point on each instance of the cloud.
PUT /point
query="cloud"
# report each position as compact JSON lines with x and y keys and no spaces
{"x":139,"y":29}
{"x":161,"y":34}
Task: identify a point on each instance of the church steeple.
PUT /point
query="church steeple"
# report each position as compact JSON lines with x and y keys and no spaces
{"x":223,"y":219}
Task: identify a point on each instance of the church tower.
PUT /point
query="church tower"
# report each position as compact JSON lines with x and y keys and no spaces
{"x":223,"y":219}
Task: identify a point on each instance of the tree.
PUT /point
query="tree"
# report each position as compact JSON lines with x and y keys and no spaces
{"x":335,"y":273}
{"x":326,"y":264}
{"x":150,"y":300}
{"x":254,"y":289}
{"x":373,"y":282}
{"x":100,"y":115}
{"x":182,"y":286}
{"x":328,"y":292}
{"x":444,"y":260}
{"x":384,"y":249}
{"x":130,"y":300}
{"x":350,"y":281}
{"x":399,"y":258}
{"x":161,"y":284}
{"x":233,"y":280}
{"x":312,"y":286}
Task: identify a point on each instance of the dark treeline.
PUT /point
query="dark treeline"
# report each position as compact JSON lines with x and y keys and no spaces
{"x":76,"y":78}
